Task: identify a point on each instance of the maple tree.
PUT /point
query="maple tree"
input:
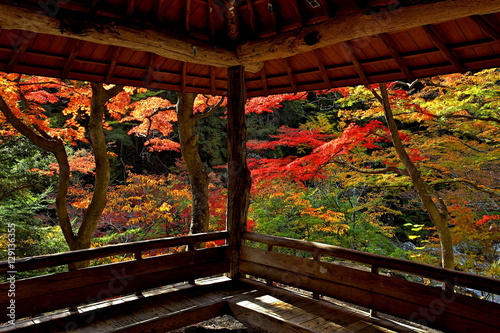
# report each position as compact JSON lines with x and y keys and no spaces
{"x":21,"y":106}
{"x":362,"y":148}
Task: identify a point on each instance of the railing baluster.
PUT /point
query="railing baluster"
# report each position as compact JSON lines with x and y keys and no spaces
{"x":375,"y":270}
{"x":270,"y":248}
{"x":316,"y":257}
{"x":191,"y":247}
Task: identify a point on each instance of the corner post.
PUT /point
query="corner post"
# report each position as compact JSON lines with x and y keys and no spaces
{"x":239,"y":182}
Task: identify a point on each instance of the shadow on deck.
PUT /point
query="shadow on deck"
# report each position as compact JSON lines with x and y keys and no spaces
{"x":140,"y":295}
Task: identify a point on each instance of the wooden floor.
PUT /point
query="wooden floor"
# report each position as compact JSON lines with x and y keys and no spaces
{"x":169,"y":308}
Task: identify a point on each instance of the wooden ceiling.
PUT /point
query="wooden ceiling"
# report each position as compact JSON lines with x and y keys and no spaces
{"x":285,"y":45}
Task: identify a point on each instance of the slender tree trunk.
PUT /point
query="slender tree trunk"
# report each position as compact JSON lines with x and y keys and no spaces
{"x":198,"y":176}
{"x":83,"y":238}
{"x":434,"y":205}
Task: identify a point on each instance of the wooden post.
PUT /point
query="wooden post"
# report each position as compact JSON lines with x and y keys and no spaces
{"x":238,"y":191}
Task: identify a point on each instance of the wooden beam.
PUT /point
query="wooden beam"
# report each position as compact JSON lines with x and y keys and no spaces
{"x":211,"y":17}
{"x":444,"y":49}
{"x":322,"y":70}
{"x":212,"y":80}
{"x":77,"y":45}
{"x":486,"y":27}
{"x":397,"y":58}
{"x":251,"y":11}
{"x":150,"y":70}
{"x":165,"y":44}
{"x":357,"y":25}
{"x":351,"y":57}
{"x":130,"y":7}
{"x":24,"y":40}
{"x":290,"y":75}
{"x":112,"y":64}
{"x":263,"y":78}
{"x":183,"y":77}
{"x":239,"y":182}
{"x":187,"y":18}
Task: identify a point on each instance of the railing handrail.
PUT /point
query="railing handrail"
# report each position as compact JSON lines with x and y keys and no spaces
{"x":454,"y":277}
{"x":64,"y":258}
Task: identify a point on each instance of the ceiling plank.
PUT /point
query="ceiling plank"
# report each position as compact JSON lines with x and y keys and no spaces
{"x":397,"y":58}
{"x":357,"y":25}
{"x":166,"y":44}
{"x":444,"y":49}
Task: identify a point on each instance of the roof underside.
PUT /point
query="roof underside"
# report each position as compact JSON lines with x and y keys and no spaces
{"x":286,"y":45}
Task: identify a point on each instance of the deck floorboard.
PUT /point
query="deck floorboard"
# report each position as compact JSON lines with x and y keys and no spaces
{"x":251,"y":302}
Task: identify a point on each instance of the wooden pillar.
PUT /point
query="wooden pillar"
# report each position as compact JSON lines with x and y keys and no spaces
{"x":238,"y":192}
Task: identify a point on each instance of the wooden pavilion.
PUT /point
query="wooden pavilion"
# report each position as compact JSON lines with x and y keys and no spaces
{"x":243,"y":48}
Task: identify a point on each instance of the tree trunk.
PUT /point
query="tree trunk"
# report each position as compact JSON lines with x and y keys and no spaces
{"x":198,"y":176}
{"x":83,"y":239}
{"x":430,"y":199}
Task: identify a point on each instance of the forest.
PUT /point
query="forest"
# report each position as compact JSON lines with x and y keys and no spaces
{"x":407,"y":169}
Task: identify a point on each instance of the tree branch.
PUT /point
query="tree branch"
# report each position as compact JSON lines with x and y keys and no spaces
{"x":388,"y":169}
{"x":211,"y":110}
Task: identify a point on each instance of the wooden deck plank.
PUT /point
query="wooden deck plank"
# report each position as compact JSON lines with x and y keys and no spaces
{"x":270,"y":308}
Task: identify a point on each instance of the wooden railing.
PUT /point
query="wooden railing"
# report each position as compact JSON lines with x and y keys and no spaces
{"x":433,"y":306}
{"x":36,"y":295}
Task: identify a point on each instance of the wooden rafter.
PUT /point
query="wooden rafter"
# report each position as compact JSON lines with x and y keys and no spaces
{"x":211,"y":17}
{"x":93,"y":6}
{"x":272,"y":12}
{"x":160,"y":9}
{"x":397,"y":58}
{"x":184,"y":77}
{"x":444,"y":49}
{"x":151,"y":70}
{"x":329,"y":9}
{"x":251,"y":11}
{"x":340,"y":28}
{"x":357,"y":65}
{"x":212,"y":80}
{"x":324,"y":74}
{"x":23,"y":42}
{"x":187,"y":18}
{"x":112,"y":64}
{"x":263,"y":77}
{"x":487,"y":27}
{"x":77,"y":45}
{"x":296,"y":9}
{"x":130,"y":7}
{"x":290,"y":75}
